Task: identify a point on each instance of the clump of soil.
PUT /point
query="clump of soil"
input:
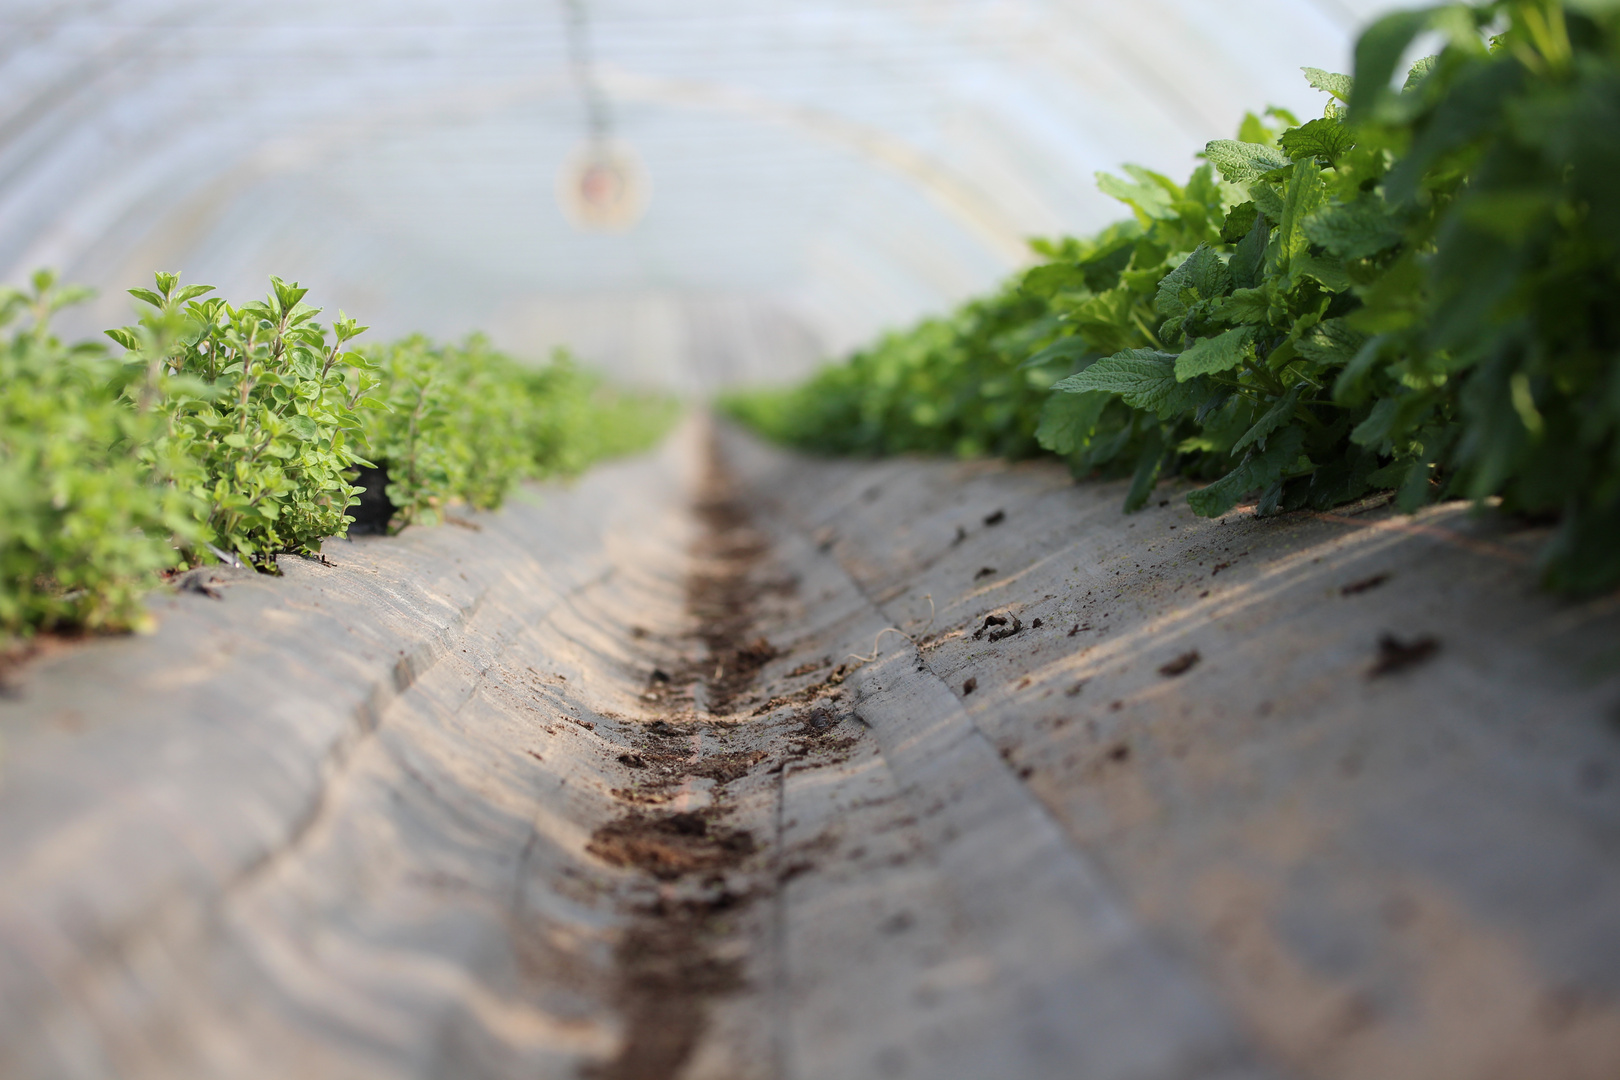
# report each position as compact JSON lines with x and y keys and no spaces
{"x":1181,"y":664}
{"x":668,"y":846}
{"x":1006,"y":626}
{"x":819,"y":721}
{"x":725,"y":768}
{"x":1397,"y":655}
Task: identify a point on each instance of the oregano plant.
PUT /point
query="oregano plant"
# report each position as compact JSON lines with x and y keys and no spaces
{"x":262,"y":408}
{"x":86,"y":522}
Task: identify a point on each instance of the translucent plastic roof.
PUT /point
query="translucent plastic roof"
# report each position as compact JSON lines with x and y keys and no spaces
{"x":816,"y":170}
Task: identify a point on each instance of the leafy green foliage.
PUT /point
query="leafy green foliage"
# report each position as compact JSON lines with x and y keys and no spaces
{"x":950,"y":385}
{"x":463,"y":424}
{"x":228,"y":431}
{"x":84,"y":522}
{"x":1495,"y":356}
{"x":260,"y":412}
{"x":1418,"y":290}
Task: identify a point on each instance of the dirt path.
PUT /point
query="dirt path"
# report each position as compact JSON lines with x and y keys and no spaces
{"x":687,"y":946}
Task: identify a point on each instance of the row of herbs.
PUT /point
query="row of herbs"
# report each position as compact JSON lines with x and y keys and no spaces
{"x":1418,"y":290}
{"x":240,"y":433}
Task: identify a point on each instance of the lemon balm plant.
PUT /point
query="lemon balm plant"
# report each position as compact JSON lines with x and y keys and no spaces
{"x":261,"y":407}
{"x":1494,"y":357}
{"x":1418,"y":290}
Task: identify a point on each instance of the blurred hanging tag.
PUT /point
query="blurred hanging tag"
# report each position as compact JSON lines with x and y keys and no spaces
{"x":602,"y":187}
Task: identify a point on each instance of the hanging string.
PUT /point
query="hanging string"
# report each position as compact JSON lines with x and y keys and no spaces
{"x":598,"y":118}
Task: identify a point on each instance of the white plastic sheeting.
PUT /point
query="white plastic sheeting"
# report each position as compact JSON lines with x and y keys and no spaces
{"x":818,"y":170}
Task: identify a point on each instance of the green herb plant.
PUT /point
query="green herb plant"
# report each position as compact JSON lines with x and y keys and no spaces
{"x":238,"y":433}
{"x":1493,"y":369}
{"x":85,"y":522}
{"x":261,"y":404}
{"x":1417,"y":290}
{"x":464,"y":423}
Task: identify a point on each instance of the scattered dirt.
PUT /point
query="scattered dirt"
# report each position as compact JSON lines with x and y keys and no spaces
{"x":1005,"y":627}
{"x":726,"y":768}
{"x":665,"y":985}
{"x":1363,"y":585}
{"x":721,"y":597}
{"x":828,"y":688}
{"x":1397,"y":655}
{"x":668,"y":846}
{"x":1181,"y":664}
{"x":668,"y":965}
{"x":201,"y":580}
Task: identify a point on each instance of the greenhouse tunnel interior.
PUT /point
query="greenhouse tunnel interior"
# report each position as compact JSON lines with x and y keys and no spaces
{"x":1192,"y":655}
{"x":804,"y":175}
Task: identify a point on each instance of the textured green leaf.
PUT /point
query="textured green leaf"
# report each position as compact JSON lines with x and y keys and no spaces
{"x":1102,"y":269}
{"x":1321,"y":138}
{"x":1420,"y":71}
{"x":1068,"y":419}
{"x":1242,"y":162}
{"x":1211,"y":356}
{"x":1238,"y":222}
{"x":1200,"y":276}
{"x":1245,"y":307}
{"x":1148,"y":199}
{"x":1143,"y":378}
{"x":1301,"y":198}
{"x":1326,"y":270}
{"x":1052,"y":278}
{"x":1275,"y":417}
{"x":1148,"y":463}
{"x":1330,"y":342}
{"x":1250,"y":255}
{"x":1258,"y":469}
{"x":1375,"y":430}
{"x":1337,"y":85}
{"x":1355,"y":230}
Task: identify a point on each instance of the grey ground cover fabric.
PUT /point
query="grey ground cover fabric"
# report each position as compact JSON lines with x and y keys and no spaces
{"x":718,"y":764}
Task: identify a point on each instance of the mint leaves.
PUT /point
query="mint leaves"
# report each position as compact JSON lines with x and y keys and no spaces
{"x":1419,"y":289}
